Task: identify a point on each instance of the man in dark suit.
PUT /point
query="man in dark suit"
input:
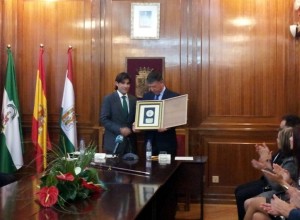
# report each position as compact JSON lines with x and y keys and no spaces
{"x":117,"y":116}
{"x":161,"y":139}
{"x":253,"y":188}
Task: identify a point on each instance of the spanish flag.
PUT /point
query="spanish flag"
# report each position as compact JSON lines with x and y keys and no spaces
{"x":40,"y":137}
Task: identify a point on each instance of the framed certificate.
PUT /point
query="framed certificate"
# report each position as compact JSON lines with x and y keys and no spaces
{"x":158,"y":114}
{"x":148,"y":114}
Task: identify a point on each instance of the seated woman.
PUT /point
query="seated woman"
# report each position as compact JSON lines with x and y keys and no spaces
{"x":277,"y":207}
{"x":252,"y":205}
{"x":255,"y":187}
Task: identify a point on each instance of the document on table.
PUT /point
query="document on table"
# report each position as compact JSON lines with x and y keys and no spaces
{"x":184,"y":158}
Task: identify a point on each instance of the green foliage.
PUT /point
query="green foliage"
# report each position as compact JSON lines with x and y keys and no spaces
{"x":63,"y":165}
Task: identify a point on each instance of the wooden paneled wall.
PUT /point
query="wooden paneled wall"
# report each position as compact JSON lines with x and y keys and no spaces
{"x":236,"y":59}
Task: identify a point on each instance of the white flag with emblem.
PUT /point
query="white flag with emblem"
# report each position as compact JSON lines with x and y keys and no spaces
{"x":11,"y":139}
{"x":68,"y":137}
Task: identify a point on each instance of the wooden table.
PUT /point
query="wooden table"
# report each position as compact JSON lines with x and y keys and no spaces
{"x":191,"y":180}
{"x":131,"y":194}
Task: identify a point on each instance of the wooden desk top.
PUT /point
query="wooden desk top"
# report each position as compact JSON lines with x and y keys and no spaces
{"x":126,"y":196}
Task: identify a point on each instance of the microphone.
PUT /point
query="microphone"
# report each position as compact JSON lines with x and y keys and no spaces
{"x":119,"y":139}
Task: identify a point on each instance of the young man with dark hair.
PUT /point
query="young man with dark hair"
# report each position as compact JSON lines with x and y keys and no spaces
{"x":117,"y":116}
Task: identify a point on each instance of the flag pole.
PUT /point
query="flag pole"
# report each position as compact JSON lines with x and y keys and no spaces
{"x":40,"y":136}
{"x":11,"y":139}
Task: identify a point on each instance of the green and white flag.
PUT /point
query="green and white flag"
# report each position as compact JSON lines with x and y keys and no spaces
{"x":68,"y":136}
{"x":11,"y":138}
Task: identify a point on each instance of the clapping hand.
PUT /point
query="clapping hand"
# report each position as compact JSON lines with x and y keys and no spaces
{"x":264,"y":152}
{"x":279,"y":175}
{"x":257,"y":164}
{"x":282,"y":172}
{"x":277,"y":207}
{"x":265,"y":156}
{"x":294,"y":196}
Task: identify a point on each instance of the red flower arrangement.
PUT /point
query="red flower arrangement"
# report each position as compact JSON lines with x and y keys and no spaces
{"x":91,"y":186}
{"x":48,"y":196}
{"x":68,"y":179}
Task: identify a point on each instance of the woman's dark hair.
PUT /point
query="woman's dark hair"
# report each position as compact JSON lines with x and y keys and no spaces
{"x":121,"y":77}
{"x":296,"y":144}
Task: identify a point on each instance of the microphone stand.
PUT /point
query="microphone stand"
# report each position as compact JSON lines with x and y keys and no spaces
{"x":119,"y":139}
{"x":116,"y":148}
{"x":130,"y":156}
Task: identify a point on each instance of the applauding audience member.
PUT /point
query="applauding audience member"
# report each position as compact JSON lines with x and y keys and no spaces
{"x":278,"y":208}
{"x":253,"y":188}
{"x":289,"y":163}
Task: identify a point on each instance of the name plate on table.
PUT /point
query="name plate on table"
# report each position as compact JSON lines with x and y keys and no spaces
{"x":164,"y":158}
{"x":160,"y":114}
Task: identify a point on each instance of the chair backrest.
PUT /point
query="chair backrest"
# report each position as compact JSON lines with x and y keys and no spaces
{"x":182,"y":142}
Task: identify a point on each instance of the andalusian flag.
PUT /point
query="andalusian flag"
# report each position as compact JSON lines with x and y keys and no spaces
{"x":39,"y":134}
{"x":68,"y":134}
{"x":11,"y":139}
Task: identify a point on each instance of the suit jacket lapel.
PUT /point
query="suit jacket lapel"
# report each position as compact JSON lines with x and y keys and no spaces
{"x":117,"y":101}
{"x":131,"y":104}
{"x":165,"y":95}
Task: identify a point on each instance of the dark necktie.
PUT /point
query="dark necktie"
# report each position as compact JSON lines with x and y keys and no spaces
{"x":125,"y":106}
{"x":156,"y":97}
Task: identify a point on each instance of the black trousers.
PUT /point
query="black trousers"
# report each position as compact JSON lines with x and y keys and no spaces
{"x":246,"y":191}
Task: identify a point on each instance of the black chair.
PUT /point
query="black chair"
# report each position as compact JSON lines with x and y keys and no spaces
{"x":6,"y":179}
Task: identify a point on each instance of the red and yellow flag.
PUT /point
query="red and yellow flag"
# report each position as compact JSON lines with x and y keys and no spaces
{"x":40,"y":137}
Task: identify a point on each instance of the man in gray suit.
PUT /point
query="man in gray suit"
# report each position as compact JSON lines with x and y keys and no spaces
{"x":117,"y":116}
